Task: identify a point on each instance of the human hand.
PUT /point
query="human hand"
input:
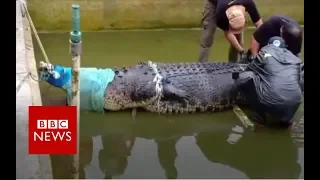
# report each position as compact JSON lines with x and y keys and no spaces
{"x":250,"y":56}
{"x":246,"y":56}
{"x":243,"y":56}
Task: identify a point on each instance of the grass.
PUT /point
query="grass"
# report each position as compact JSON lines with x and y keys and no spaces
{"x":136,"y":14}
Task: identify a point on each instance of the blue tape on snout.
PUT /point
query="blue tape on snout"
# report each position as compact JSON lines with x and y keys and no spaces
{"x":64,"y":76}
{"x":93,"y":84}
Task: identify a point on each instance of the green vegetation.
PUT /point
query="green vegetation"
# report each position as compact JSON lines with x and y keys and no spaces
{"x":53,"y":15}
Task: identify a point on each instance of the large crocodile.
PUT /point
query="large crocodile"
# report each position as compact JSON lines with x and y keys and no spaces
{"x":157,"y":87}
{"x":187,"y":87}
{"x":164,"y":88}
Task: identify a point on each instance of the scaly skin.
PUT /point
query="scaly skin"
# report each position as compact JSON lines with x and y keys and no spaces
{"x":121,"y":93}
{"x":200,"y":86}
{"x":209,"y":84}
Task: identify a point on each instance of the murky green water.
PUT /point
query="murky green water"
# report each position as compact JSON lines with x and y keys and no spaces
{"x":202,"y":145}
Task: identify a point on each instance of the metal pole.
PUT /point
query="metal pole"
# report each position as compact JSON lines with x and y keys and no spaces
{"x":75,"y":50}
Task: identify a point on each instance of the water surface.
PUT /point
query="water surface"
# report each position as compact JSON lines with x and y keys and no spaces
{"x":202,"y":145}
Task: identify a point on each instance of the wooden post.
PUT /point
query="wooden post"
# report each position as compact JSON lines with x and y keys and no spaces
{"x":243,"y":118}
{"x":75,"y":50}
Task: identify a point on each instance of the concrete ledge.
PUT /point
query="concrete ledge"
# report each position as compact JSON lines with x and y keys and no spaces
{"x":28,"y":93}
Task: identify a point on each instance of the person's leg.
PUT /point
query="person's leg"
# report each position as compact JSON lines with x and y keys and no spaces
{"x":209,"y":28}
{"x":281,"y":117}
{"x":233,"y":55}
{"x":246,"y":85}
{"x":258,"y":114}
{"x":167,"y":154}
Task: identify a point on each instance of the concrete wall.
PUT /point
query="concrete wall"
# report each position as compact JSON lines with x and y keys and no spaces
{"x":27,"y":94}
{"x":124,"y":14}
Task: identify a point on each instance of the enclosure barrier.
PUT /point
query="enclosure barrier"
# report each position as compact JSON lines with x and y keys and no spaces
{"x":27,"y":166}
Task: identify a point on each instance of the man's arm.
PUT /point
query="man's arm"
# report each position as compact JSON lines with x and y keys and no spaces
{"x":254,"y":46}
{"x":233,"y":41}
{"x":259,"y":36}
{"x":258,"y":61}
{"x":258,"y":23}
{"x":257,"y":20}
{"x":252,"y":9}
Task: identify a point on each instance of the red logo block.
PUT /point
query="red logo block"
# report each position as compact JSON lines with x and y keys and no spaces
{"x":53,"y":130}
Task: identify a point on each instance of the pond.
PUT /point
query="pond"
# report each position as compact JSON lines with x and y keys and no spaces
{"x":201,"y":145}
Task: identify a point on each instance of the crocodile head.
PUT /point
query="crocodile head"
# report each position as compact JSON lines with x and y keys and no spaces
{"x":132,"y":87}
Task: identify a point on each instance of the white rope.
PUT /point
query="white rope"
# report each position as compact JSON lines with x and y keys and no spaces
{"x":26,"y":12}
{"x":158,"y":80}
{"x":46,"y":65}
{"x":50,"y":69}
{"x":242,"y":68}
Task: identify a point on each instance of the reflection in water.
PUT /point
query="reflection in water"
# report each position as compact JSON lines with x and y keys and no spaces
{"x":85,"y":153}
{"x":61,"y":166}
{"x":113,"y":158}
{"x":273,"y":156}
{"x":265,"y":153}
{"x":167,"y":154}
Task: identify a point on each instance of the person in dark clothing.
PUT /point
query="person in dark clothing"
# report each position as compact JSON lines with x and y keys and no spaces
{"x":272,"y":84}
{"x":278,"y":25}
{"x":228,"y":15}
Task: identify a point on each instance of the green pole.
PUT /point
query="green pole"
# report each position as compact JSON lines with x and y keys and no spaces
{"x":75,"y":50}
{"x":75,"y":34}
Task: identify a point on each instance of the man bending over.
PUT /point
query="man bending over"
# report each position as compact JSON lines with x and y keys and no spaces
{"x":229,"y":16}
{"x":278,"y":25}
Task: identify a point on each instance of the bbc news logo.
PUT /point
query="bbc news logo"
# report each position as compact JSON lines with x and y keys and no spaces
{"x":52,"y":130}
{"x":48,"y":136}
